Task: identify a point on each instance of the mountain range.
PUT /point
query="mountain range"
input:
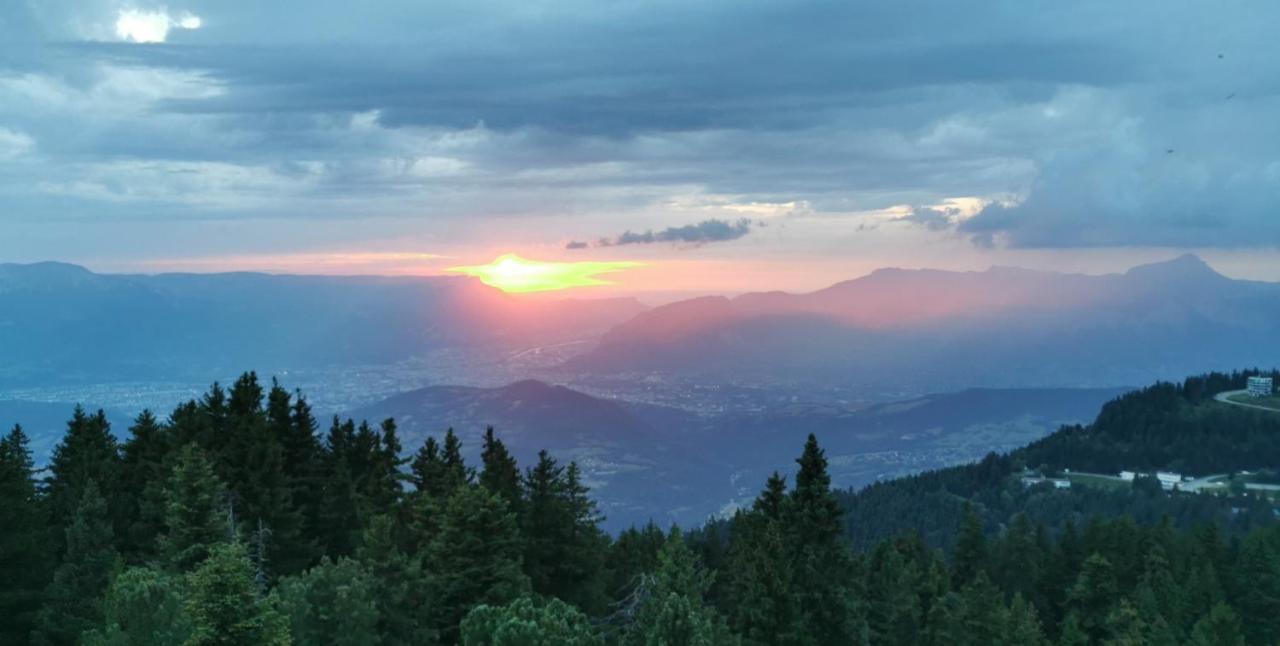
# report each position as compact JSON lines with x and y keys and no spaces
{"x":929,"y":330}
{"x":63,"y":322}
{"x":652,"y":462}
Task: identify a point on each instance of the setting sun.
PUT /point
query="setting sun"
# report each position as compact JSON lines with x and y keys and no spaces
{"x":511,"y":273}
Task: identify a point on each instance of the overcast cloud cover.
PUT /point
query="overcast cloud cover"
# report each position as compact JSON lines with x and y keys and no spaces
{"x":1081,"y":124}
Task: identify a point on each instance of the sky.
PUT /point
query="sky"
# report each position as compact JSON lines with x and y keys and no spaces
{"x":711,"y":145}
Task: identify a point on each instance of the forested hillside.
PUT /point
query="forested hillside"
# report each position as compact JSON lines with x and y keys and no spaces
{"x":237,"y":521}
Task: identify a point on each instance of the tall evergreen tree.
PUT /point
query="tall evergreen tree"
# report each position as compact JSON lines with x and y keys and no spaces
{"x":24,"y":557}
{"x":87,"y":452}
{"x":564,"y":548}
{"x":340,"y":512}
{"x":195,"y":504}
{"x":403,"y":597}
{"x":674,"y":611}
{"x":1258,"y":575}
{"x":224,"y":607}
{"x":1093,"y":597}
{"x":971,"y":548}
{"x":143,"y":472}
{"x":823,"y":566}
{"x":761,"y":606}
{"x":303,"y":460}
{"x":73,"y":601}
{"x":383,"y":489}
{"x":474,"y":559}
{"x":498,"y":472}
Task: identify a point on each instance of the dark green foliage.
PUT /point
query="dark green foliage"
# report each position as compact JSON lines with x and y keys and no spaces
{"x":563,"y":546}
{"x":673,"y":611}
{"x":828,"y":597}
{"x":339,"y":515}
{"x":195,"y":512}
{"x":24,"y":555}
{"x":143,"y":472}
{"x":474,"y":559}
{"x":1094,"y":596}
{"x":88,"y":452}
{"x":73,"y":601}
{"x":971,"y":548}
{"x":525,"y":622}
{"x":1221,"y":627}
{"x":403,"y":595}
{"x":224,"y":607}
{"x":499,"y":473}
{"x":762,"y":607}
{"x":332,"y":603}
{"x":143,"y":607}
{"x":496,"y":558}
{"x":1258,"y":581}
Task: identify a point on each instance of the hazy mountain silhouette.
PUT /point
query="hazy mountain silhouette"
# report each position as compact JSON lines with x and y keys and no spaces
{"x":940,"y":330}
{"x":60,"y":321}
{"x":654,"y":462}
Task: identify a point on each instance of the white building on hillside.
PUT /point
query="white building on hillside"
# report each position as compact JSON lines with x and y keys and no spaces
{"x":1168,"y":481}
{"x":1261,"y":386}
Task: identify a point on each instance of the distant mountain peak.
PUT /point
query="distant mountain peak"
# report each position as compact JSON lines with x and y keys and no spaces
{"x":1185,"y":267}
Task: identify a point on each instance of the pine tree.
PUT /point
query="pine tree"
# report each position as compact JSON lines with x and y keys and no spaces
{"x":823,"y":566}
{"x":674,"y":611}
{"x":223,"y":605}
{"x":340,"y":512}
{"x":194,"y":512}
{"x":1125,"y":627}
{"x":332,"y":603}
{"x":1021,"y":626}
{"x":895,"y":612}
{"x":761,"y":606}
{"x":384,"y":489}
{"x":971,"y":548}
{"x":403,"y":590}
{"x":1221,"y":627}
{"x":1073,"y":633}
{"x":983,"y":613}
{"x":142,"y":607}
{"x":1259,"y":598}
{"x":143,"y":472}
{"x":87,"y":452}
{"x":254,"y":470}
{"x":24,"y":557}
{"x":631,"y":558}
{"x":1093,"y":597}
{"x":525,"y":622}
{"x":474,"y":559}
{"x":73,"y":601}
{"x":499,"y":473}
{"x":303,"y":462}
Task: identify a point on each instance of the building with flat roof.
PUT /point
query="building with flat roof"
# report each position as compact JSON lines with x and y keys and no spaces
{"x":1260,"y":387}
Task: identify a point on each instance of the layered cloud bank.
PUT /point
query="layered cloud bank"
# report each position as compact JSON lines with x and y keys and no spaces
{"x":1088,"y":125}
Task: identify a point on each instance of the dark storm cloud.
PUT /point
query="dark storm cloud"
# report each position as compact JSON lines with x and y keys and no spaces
{"x":317,"y":110}
{"x":689,"y":235}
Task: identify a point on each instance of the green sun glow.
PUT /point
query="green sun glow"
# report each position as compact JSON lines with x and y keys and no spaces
{"x":511,"y":273}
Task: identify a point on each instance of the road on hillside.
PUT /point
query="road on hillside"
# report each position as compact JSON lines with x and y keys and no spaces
{"x":1223,"y":397}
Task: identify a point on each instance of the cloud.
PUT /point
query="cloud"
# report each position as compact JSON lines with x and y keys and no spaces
{"x":690,"y":235}
{"x":458,"y":118}
{"x":139,"y":26}
{"x":15,"y":144}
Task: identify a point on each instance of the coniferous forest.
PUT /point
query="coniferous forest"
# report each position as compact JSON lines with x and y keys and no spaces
{"x":238,"y":519}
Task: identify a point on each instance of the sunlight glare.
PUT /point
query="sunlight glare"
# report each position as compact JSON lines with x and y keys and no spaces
{"x":511,"y":273}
